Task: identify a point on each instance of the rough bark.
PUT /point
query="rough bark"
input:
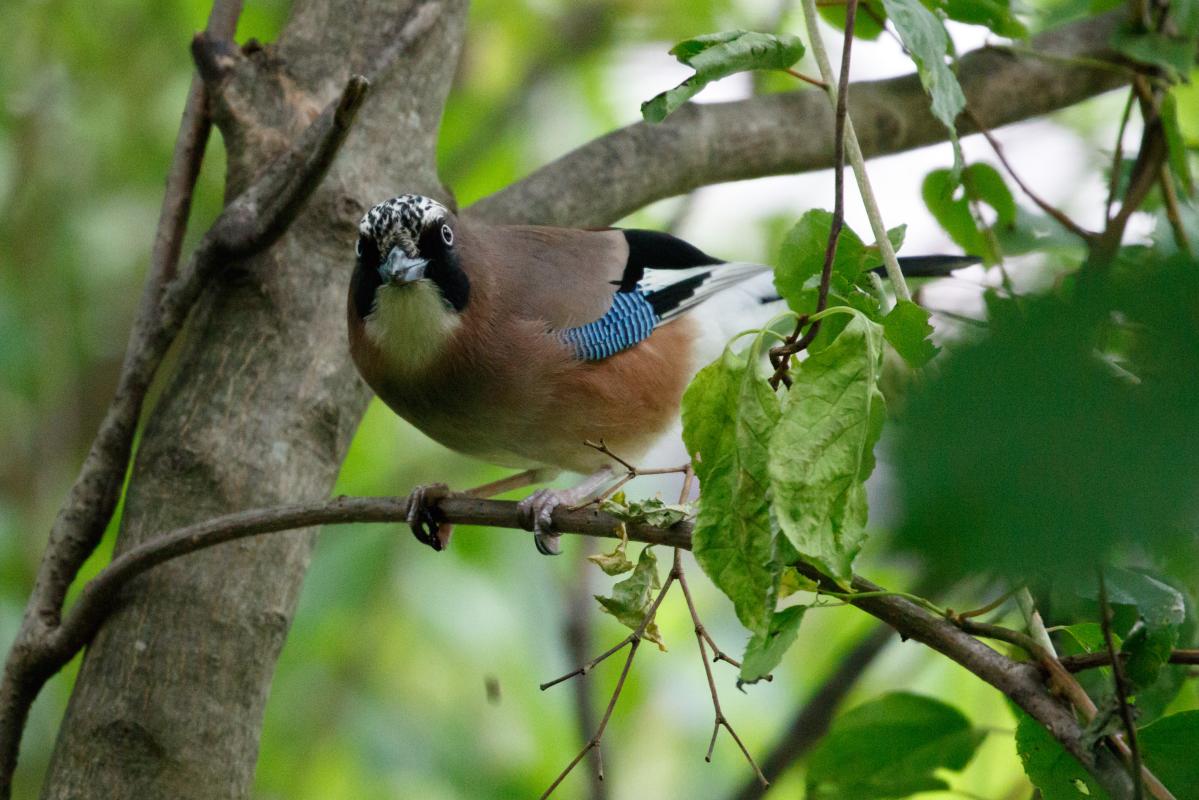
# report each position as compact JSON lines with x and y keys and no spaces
{"x":263,"y":400}
{"x":260,"y":409}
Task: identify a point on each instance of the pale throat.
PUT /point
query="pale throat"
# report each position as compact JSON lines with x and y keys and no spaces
{"x":411,"y":324}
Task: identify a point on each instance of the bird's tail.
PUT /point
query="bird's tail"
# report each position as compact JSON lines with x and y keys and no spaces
{"x":930,"y":266}
{"x":936,"y":266}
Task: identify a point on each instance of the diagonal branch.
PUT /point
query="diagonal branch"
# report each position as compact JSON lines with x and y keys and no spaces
{"x":252,"y":221}
{"x":194,"y":128}
{"x":1020,"y":682}
{"x":701,"y":144}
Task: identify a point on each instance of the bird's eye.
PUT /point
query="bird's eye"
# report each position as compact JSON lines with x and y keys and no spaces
{"x":447,"y":235}
{"x":358,"y":247}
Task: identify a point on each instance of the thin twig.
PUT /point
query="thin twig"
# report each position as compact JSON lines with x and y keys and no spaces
{"x":631,"y":472}
{"x":1173,"y":212}
{"x":986,"y":609}
{"x":1145,"y":170}
{"x":1062,"y":218}
{"x":717,"y":653}
{"x":853,"y":151}
{"x":594,"y":742}
{"x":576,"y":639}
{"x":1118,"y":157}
{"x":701,"y":637}
{"x":1085,"y":661}
{"x":194,"y":128}
{"x":633,"y":641}
{"x":1122,"y":691}
{"x":794,"y":73}
{"x":603,"y":448}
{"x":781,"y":355}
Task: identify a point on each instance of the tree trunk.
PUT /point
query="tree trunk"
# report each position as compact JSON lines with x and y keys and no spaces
{"x":259,"y":410}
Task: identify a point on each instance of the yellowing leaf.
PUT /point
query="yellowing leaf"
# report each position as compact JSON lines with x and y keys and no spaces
{"x":632,"y":597}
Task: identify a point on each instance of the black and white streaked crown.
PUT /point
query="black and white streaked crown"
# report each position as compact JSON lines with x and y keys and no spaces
{"x":400,"y":220}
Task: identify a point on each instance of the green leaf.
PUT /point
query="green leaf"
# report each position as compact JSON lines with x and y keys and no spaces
{"x":896,"y":235}
{"x":925,"y":38}
{"x":868,"y":22}
{"x":651,"y":511}
{"x":1089,"y":638}
{"x":1051,"y":769}
{"x":718,"y":55}
{"x":1029,"y":430}
{"x":1169,"y":747}
{"x":616,"y":562}
{"x":1177,"y":55}
{"x":1180,"y":163}
{"x":890,"y":747}
{"x":980,"y":183}
{"x":822,"y":449}
{"x":801,"y":258}
{"x":906,"y":328}
{"x":792,"y":582}
{"x":1161,"y":609}
{"x":765,"y":651}
{"x":729,"y":415}
{"x":994,"y":14}
{"x":632,"y":597}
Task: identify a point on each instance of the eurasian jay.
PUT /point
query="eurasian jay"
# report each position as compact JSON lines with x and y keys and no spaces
{"x":517,"y":343}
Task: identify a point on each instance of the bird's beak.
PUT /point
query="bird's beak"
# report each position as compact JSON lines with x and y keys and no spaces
{"x":399,"y":269}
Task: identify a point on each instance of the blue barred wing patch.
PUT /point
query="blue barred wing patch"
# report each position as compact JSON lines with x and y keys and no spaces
{"x":631,"y":319}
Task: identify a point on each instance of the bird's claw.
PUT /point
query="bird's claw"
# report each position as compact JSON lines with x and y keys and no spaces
{"x":425,"y":519}
{"x":538,"y":512}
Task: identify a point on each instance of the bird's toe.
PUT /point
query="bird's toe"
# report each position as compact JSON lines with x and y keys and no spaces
{"x":538,"y":512}
{"x":425,"y":519}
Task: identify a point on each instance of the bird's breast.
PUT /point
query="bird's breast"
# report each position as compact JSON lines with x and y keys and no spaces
{"x":410,"y":326}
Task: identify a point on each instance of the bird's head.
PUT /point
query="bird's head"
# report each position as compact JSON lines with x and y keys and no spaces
{"x":408,"y":240}
{"x":409,"y":289}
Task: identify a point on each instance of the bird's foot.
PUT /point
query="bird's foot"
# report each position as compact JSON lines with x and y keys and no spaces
{"x":537,"y":510}
{"x":425,"y":518}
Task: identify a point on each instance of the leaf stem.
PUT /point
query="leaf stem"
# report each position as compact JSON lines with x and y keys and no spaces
{"x":856,"y":160}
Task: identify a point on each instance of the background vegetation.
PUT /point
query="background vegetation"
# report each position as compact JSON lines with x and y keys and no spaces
{"x":412,"y":675}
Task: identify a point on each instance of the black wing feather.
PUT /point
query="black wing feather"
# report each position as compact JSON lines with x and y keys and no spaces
{"x":657,"y":250}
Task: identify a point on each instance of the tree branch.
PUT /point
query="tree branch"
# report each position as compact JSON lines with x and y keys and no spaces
{"x":1021,"y":682}
{"x":253,"y":221}
{"x":701,"y":144}
{"x":194,"y":128}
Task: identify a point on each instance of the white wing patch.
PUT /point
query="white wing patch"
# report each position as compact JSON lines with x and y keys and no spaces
{"x":707,"y":281}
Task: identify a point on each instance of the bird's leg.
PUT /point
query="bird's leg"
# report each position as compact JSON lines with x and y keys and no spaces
{"x":426,"y":521}
{"x":539,"y":507}
{"x":518,"y":481}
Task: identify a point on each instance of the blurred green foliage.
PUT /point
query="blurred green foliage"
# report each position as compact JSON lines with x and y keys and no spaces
{"x":388,"y":684}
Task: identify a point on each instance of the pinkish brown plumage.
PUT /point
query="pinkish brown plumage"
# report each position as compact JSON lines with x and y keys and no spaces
{"x":465,"y":330}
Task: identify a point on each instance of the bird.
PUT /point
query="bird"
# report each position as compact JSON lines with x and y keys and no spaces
{"x":521,"y":344}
